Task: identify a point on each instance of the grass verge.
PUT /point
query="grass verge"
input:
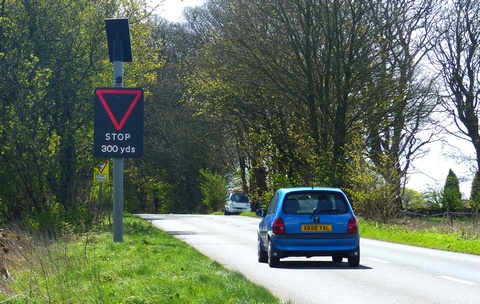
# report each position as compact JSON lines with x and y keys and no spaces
{"x":149,"y":266}
{"x":462,"y":237}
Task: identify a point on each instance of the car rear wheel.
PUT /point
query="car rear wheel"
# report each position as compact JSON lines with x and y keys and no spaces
{"x":337,"y":258}
{"x":354,"y":260}
{"x":273,"y":261}
{"x":262,"y":255}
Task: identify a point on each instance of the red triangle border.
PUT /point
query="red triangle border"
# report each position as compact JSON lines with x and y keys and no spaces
{"x":136,"y":92}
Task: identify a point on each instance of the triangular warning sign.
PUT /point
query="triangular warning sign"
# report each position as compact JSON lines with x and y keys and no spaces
{"x":102,"y":166}
{"x":118,"y":123}
{"x":102,"y":93}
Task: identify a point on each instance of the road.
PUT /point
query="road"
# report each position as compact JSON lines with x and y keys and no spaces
{"x":388,"y":273}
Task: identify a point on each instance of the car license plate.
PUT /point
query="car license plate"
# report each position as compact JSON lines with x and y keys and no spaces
{"x":316,"y":228}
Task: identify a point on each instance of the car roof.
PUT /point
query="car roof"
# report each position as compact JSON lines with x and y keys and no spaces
{"x":295,"y":189}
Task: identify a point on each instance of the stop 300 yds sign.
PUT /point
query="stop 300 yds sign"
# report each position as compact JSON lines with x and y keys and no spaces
{"x":118,"y":123}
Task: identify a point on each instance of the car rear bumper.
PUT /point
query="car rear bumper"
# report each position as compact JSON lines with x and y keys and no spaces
{"x":237,"y":209}
{"x":315,"y":244}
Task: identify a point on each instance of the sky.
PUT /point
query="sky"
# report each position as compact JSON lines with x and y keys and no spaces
{"x":430,"y":171}
{"x":172,"y":9}
{"x":433,"y":168}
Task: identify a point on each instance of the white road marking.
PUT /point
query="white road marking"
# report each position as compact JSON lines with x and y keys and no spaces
{"x":378,"y":260}
{"x":457,"y":280}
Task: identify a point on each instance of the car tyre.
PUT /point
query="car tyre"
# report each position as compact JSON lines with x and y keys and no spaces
{"x":262,"y":255}
{"x":273,"y":261}
{"x":337,"y":258}
{"x":354,"y":260}
{"x":225,"y":212}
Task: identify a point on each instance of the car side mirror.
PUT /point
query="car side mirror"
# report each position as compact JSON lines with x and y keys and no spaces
{"x":261,"y":212}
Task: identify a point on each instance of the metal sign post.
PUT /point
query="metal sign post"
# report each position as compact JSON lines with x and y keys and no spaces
{"x":117,"y":168}
{"x":118,"y":36}
{"x":118,"y":117}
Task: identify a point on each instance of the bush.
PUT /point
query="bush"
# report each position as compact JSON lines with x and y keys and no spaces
{"x":213,"y":188}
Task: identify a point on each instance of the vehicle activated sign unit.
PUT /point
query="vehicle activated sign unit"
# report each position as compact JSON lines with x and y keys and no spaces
{"x":118,"y":123}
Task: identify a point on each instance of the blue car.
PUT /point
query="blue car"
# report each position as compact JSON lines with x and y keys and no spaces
{"x":308,"y":221}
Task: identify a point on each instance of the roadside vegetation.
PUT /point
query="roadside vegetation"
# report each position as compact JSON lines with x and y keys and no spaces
{"x":149,"y":266}
{"x":355,"y":95}
{"x":429,"y":233}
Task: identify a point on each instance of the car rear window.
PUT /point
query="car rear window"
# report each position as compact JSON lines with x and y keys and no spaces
{"x":318,"y":202}
{"x":239,"y":197}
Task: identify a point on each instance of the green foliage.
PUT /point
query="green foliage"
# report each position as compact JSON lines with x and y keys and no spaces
{"x":327,"y":107}
{"x":49,"y":60}
{"x":52,"y":55}
{"x":364,"y":184}
{"x":424,"y":233}
{"x":412,"y":199}
{"x":298,"y":107}
{"x":433,"y":197}
{"x":452,"y":197}
{"x":474,"y":201}
{"x":149,"y":266}
{"x":213,"y":188}
{"x":475,"y":192}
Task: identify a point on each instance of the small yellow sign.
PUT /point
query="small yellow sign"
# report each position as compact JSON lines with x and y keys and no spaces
{"x":101,"y":173}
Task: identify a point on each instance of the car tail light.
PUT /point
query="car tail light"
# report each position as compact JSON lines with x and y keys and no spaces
{"x":278,"y":226}
{"x":352,"y":225}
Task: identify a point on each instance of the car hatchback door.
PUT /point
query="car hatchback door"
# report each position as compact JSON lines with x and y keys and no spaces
{"x":316,"y":213}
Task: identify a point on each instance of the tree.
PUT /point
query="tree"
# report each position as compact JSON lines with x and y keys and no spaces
{"x":456,"y":54}
{"x":413,"y":200}
{"x":48,"y":55}
{"x":433,"y":197}
{"x":214,"y":189}
{"x":403,"y":100}
{"x":452,"y":197}
{"x":291,"y":99}
{"x":52,"y":55}
{"x":474,"y":201}
{"x":178,"y":143}
{"x":298,"y":79}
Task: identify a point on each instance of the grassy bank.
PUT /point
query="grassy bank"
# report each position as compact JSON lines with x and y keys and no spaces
{"x":149,"y":266}
{"x":428,"y":233}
